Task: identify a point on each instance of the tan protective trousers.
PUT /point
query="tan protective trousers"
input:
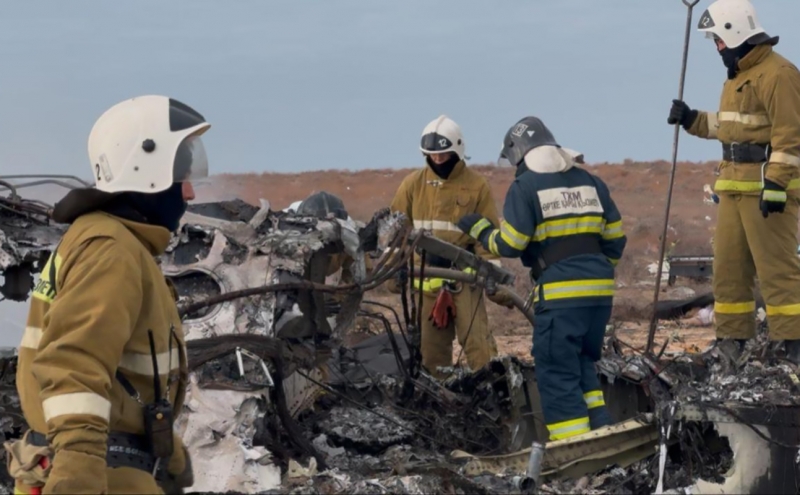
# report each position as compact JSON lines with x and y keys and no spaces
{"x":120,"y":480}
{"x":747,"y":245}
{"x":437,"y":343}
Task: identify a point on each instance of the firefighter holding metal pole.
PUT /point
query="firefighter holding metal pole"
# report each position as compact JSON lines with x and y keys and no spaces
{"x":561,"y":221}
{"x":758,"y":124}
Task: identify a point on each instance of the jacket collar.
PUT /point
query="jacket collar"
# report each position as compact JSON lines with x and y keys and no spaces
{"x":755,"y":57}
{"x":155,"y":238}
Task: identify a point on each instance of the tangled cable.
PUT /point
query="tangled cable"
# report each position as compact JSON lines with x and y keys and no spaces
{"x":390,"y":262}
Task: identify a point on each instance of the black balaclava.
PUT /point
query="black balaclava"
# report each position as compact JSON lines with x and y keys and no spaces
{"x":732,"y":56}
{"x":163,"y":208}
{"x":445,"y":169}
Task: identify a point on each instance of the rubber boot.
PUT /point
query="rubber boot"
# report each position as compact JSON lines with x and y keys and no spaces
{"x":730,"y":351}
{"x":793,"y":351}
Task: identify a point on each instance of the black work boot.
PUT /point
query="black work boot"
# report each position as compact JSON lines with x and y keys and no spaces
{"x":792,"y":350}
{"x":730,"y":351}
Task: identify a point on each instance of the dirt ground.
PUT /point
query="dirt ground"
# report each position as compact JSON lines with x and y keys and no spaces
{"x":639,"y":190}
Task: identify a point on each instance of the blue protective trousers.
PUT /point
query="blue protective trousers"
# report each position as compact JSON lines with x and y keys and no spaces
{"x":566,"y":344}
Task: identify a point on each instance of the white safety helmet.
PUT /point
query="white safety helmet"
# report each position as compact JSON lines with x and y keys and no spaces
{"x":147,"y":143}
{"x":734,"y":22}
{"x":442,"y":135}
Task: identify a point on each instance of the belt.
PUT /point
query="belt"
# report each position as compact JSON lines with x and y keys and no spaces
{"x":124,"y":450}
{"x":564,"y":248}
{"x":746,"y":152}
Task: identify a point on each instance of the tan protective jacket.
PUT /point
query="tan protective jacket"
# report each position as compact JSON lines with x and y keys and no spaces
{"x":760,"y":105}
{"x":437,"y":204}
{"x":109,"y":293}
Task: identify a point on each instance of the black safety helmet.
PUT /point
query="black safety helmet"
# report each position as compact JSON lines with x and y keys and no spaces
{"x":525,"y":135}
{"x":321,"y":204}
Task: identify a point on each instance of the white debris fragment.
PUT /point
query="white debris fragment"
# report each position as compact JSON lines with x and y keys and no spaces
{"x":296,"y":470}
{"x":217,"y":428}
{"x":653,"y":269}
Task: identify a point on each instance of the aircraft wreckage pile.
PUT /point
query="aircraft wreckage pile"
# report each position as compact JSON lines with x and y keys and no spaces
{"x":278,"y":404}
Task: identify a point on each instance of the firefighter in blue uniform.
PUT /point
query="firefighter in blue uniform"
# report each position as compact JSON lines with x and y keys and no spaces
{"x":561,"y":221}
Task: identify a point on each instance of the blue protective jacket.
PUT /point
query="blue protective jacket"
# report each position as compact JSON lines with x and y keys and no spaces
{"x":542,"y":207}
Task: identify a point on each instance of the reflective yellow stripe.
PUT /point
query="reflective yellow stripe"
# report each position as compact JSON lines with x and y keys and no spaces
{"x":479,"y":227}
{"x":429,"y":284}
{"x":734,"y":308}
{"x":747,"y":185}
{"x":785,"y":310}
{"x":578,"y":288}
{"x":613,"y":230}
{"x":782,"y":157}
{"x":143,"y":363}
{"x":436,"y":225}
{"x":594,"y":399}
{"x":614,"y":261}
{"x":493,"y":243}
{"x":568,"y":226}
{"x":713,"y":124}
{"x":775,"y":196}
{"x":571,"y":428}
{"x":45,"y":289}
{"x":31,"y":338}
{"x":76,"y":403}
{"x":513,"y":237}
{"x":744,"y":118}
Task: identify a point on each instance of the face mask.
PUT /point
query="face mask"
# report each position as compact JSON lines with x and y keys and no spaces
{"x":164,"y":208}
{"x":732,"y":56}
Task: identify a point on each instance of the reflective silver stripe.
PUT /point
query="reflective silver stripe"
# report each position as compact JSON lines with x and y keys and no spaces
{"x":559,"y":431}
{"x":496,"y":263}
{"x":782,"y":157}
{"x":570,"y":226}
{"x":436,"y":225}
{"x":594,"y":399}
{"x":549,"y":292}
{"x":142,"y":364}
{"x":31,"y":338}
{"x":743,"y":118}
{"x":713,"y":124}
{"x":76,"y":403}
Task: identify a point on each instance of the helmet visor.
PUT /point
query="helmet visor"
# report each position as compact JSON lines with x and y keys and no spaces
{"x":191,"y":161}
{"x":435,"y":143}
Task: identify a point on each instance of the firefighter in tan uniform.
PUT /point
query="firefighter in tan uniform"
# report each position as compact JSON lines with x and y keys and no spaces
{"x":435,"y":198}
{"x":758,"y":123}
{"x":103,"y":364}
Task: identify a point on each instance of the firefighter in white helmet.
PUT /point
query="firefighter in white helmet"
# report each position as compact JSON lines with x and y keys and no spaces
{"x":758,"y":123}
{"x":435,"y":198}
{"x":103,"y":364}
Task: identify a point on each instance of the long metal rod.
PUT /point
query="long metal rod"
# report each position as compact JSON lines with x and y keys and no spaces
{"x":654,"y":319}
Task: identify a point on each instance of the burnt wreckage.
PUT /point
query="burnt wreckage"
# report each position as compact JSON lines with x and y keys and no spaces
{"x":280,"y":400}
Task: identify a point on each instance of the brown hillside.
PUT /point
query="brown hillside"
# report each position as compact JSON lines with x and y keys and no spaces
{"x":639,"y":190}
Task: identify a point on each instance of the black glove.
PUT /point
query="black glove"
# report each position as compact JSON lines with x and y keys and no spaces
{"x":680,"y":113}
{"x":773,"y":198}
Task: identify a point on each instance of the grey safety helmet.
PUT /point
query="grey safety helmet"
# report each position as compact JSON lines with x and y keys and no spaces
{"x":525,"y":135}
{"x":321,"y":204}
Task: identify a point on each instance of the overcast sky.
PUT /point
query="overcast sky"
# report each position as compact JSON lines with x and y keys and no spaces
{"x":291,"y":86}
